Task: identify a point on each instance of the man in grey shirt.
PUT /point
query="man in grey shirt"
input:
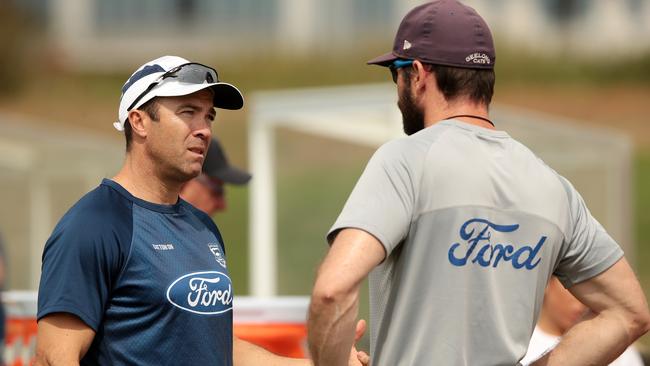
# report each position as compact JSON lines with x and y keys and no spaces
{"x":460,"y":226}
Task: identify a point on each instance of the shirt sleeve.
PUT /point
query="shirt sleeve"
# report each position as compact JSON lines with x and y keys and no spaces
{"x":588,"y":249}
{"x":383,"y":200}
{"x":81,"y":262}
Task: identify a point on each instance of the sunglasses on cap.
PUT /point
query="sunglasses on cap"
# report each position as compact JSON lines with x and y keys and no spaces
{"x":396,"y":65}
{"x":190,"y":73}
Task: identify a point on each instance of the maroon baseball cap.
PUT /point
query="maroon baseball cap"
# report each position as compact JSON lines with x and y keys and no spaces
{"x":442,"y":32}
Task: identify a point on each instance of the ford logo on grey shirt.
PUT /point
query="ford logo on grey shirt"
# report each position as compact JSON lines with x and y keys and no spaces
{"x":478,"y":232}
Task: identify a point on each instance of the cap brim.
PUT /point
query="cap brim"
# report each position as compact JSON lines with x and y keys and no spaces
{"x":230,"y":175}
{"x":383,"y":60}
{"x":226,"y":96}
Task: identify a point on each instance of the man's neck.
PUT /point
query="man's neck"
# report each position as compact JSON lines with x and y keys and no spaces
{"x":433,"y":115}
{"x":142,"y":181}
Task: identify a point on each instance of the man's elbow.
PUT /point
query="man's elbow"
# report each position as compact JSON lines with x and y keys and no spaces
{"x":634,"y":316}
{"x":639,"y":322}
{"x":326,"y":296}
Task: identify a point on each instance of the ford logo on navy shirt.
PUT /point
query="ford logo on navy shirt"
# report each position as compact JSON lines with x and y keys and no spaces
{"x":478,"y":247}
{"x":207,"y":292}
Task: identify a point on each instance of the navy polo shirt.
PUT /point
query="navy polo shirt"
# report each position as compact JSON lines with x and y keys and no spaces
{"x":150,"y":280}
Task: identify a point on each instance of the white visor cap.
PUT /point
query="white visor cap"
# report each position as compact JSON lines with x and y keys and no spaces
{"x":226,"y":96}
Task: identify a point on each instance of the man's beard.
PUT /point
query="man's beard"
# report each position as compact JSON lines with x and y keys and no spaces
{"x":412,"y":116}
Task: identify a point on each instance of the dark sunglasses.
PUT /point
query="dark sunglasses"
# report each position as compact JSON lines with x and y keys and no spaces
{"x":396,"y":65}
{"x":191,"y":73}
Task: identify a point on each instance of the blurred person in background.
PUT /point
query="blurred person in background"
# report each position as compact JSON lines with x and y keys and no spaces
{"x":560,"y":311}
{"x":132,"y":274}
{"x":460,"y":226}
{"x":207,"y":192}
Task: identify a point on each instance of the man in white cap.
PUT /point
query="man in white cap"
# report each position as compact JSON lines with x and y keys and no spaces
{"x":207,"y":192}
{"x":133,"y":275}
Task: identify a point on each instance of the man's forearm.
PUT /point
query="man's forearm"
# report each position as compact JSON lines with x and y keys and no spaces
{"x":622,"y":317}
{"x":597,"y":341}
{"x":335,"y":299}
{"x":331,"y":327}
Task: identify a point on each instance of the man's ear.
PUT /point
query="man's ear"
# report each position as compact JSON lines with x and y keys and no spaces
{"x":419,"y":75}
{"x":139,"y":121}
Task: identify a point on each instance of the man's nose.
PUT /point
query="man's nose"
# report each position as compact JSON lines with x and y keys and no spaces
{"x":203,"y":131}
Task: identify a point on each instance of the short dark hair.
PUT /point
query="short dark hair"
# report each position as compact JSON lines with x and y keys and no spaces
{"x":455,"y":82}
{"x":477,"y":85}
{"x":151,"y":109}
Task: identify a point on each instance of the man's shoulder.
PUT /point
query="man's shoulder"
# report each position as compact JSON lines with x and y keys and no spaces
{"x":102,"y":208}
{"x":408,"y":147}
{"x":419,"y":141}
{"x":99,"y":224}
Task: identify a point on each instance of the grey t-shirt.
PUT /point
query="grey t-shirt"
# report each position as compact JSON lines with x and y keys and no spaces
{"x":473,"y":225}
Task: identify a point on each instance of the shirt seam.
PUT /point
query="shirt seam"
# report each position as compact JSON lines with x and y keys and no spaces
{"x":567,"y":199}
{"x":127,"y":260}
{"x":415,"y":214}
{"x":160,"y":208}
{"x":584,"y":275}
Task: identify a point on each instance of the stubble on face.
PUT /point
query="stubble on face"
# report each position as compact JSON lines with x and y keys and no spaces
{"x":176,"y":151}
{"x":412,"y":115}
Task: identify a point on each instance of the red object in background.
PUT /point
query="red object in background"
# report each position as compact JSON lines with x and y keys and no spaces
{"x":282,"y":339}
{"x":20,"y":341}
{"x":287,"y":340}
{"x":276,"y":324}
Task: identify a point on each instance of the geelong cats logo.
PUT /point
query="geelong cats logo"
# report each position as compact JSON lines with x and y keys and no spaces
{"x":218,"y":254}
{"x":207,"y":293}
